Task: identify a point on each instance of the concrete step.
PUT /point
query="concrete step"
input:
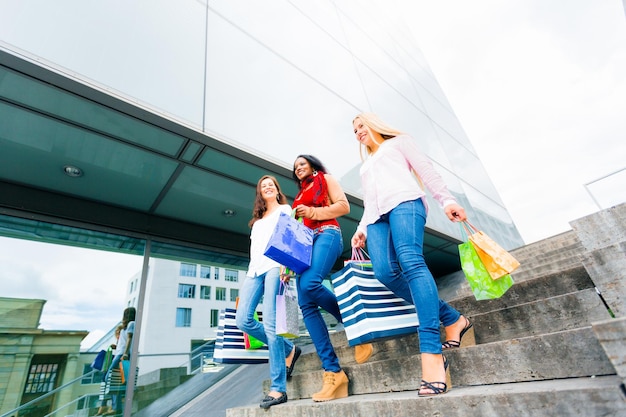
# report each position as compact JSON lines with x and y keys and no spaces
{"x":563,"y":312}
{"x":564,"y":242}
{"x":547,"y":256}
{"x":584,"y":396}
{"x":395,"y":365}
{"x":455,"y":290}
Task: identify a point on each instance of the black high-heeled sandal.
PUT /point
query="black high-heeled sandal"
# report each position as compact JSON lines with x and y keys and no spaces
{"x":437,"y":387}
{"x":453,"y":344}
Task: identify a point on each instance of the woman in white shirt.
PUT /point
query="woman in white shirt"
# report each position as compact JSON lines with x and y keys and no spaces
{"x":393,"y":223}
{"x":263,"y":280}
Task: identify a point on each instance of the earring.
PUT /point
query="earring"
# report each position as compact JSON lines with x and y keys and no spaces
{"x":314,"y":173}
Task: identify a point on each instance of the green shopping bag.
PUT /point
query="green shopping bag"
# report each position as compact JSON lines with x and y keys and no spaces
{"x":483,"y":286}
{"x":251,"y":342}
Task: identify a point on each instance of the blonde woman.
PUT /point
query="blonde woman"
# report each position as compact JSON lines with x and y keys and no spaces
{"x":393,"y":223}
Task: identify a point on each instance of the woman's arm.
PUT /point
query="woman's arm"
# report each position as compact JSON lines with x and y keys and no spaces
{"x":129,"y":341}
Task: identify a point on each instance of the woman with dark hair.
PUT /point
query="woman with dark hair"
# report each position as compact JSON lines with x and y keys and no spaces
{"x":263,"y":280}
{"x":320,"y":202}
{"x":116,"y":388}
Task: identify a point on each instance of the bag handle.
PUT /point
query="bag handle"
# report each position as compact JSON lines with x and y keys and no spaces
{"x":293,"y":216}
{"x":359,"y":254}
{"x":284,"y":288}
{"x":467,"y":228}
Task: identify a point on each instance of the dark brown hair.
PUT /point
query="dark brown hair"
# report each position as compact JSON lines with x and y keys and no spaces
{"x":260,"y":207}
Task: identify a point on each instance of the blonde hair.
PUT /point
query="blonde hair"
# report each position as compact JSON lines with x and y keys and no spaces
{"x":374,"y":124}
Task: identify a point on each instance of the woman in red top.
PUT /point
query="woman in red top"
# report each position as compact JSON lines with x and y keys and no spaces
{"x":320,"y":201}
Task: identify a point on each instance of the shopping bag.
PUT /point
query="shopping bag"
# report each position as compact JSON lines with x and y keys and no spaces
{"x":287,"y":321}
{"x":98,"y":361}
{"x":369,"y":310}
{"x":252,"y":342}
{"x":115,"y":379}
{"x":230,"y":346}
{"x":291,"y":244}
{"x":497,"y":261}
{"x":483,"y":286}
{"x":124,"y":365}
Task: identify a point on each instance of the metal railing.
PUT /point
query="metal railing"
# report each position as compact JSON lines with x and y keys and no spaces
{"x":199,"y":360}
{"x":614,"y":190}
{"x":48,"y":394}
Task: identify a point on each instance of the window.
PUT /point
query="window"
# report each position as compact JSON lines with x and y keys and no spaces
{"x":215,"y":315}
{"x":220,"y":294}
{"x":187,"y":270}
{"x":205,"y":292}
{"x":216,"y":273}
{"x":205,"y":271}
{"x":231,"y":275}
{"x":41,"y":378}
{"x":183,"y":317}
{"x":94,"y":378}
{"x":234,"y":293}
{"x":186,"y":291}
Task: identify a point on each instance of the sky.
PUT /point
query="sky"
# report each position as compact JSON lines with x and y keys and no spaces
{"x":539,"y":87}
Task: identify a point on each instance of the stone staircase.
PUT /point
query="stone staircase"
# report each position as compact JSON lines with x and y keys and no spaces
{"x":548,"y":347}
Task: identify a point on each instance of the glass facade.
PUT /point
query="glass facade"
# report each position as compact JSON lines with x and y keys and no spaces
{"x":279,"y":78}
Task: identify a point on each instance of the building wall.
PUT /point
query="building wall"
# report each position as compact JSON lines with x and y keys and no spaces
{"x":280,"y":78}
{"x":162,"y":343}
{"x":22,"y":344}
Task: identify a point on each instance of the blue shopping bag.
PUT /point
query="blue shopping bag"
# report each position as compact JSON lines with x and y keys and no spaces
{"x":291,"y":244}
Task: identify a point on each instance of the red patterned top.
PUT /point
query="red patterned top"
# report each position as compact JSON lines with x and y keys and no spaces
{"x":314,"y":193}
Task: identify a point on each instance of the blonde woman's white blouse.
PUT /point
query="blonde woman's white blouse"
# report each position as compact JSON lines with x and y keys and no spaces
{"x":387,"y":179}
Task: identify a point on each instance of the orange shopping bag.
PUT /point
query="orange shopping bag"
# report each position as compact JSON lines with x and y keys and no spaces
{"x":497,"y":261}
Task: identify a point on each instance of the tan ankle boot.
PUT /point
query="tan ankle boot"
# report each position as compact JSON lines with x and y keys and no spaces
{"x":363,"y":352}
{"x":335,"y":386}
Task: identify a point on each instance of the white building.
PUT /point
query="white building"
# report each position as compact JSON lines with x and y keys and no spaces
{"x":181,"y":309}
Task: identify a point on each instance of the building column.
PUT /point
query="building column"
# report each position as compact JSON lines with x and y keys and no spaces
{"x":66,"y":395}
{"x":15,"y":385}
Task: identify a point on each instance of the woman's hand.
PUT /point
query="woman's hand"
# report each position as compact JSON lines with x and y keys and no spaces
{"x":358,"y":240}
{"x":286,"y":274}
{"x":455,"y":212}
{"x":304,"y":211}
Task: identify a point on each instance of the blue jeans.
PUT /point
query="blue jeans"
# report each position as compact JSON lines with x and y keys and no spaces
{"x":327,"y":246}
{"x":395,"y":244}
{"x":115,"y":403}
{"x":266,"y":285}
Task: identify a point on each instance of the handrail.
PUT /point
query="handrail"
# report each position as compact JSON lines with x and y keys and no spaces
{"x":65,"y":405}
{"x":194,"y":354}
{"x":599,"y":179}
{"x":47,"y":394}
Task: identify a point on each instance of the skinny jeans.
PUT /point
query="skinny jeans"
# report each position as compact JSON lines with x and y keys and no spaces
{"x":312,"y":294}
{"x":267,"y":286}
{"x":396,"y":248}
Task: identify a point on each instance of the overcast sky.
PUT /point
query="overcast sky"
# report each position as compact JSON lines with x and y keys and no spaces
{"x":539,"y":86}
